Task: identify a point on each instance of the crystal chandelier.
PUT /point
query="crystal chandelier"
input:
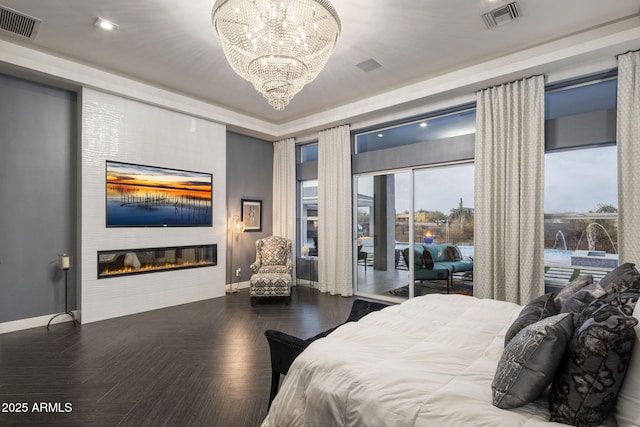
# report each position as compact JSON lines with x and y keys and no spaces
{"x":277,"y":45}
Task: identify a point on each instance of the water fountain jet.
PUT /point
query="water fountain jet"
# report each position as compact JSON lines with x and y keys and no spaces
{"x":593,"y":257}
{"x":560,"y":235}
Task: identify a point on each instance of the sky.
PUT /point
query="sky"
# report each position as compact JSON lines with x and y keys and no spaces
{"x":436,"y":188}
{"x":578,"y":180}
{"x":575,"y":181}
{"x":125,"y":173}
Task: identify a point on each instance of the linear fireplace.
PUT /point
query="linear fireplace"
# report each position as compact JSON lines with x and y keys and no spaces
{"x":124,"y":262}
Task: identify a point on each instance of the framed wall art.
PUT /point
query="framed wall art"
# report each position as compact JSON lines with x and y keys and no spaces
{"x":151,"y":196}
{"x":252,"y":215}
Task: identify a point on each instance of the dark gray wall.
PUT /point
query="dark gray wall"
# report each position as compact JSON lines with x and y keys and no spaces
{"x":38,"y":140}
{"x":249,"y":176}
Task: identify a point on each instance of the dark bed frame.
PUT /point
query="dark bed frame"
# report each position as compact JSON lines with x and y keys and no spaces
{"x":285,"y":348}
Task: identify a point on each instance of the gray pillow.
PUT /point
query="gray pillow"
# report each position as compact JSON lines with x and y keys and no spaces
{"x":621,"y":278}
{"x":572,"y":288}
{"x":530,"y":361}
{"x":585,"y":389}
{"x":538,"y":309}
{"x":454,"y":253}
{"x":585,"y":296}
{"x":427,"y":259}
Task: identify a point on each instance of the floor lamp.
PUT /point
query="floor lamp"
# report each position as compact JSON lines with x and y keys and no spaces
{"x":237,"y":227}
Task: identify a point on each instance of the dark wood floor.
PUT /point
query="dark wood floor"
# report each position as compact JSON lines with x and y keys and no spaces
{"x":200,"y":364}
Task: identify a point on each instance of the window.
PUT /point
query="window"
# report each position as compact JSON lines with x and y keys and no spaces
{"x":461,"y":122}
{"x":413,"y":177}
{"x":381,"y":230}
{"x":437,"y":152}
{"x":443,"y":206}
{"x":588,"y":98}
{"x":309,"y":216}
{"x":309,"y":153}
{"x":581,"y":198}
{"x":307,"y":212}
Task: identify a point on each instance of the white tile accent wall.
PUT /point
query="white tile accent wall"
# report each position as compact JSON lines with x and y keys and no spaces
{"x":120,"y":129}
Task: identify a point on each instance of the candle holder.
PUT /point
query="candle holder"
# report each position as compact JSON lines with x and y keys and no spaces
{"x":65,"y":265}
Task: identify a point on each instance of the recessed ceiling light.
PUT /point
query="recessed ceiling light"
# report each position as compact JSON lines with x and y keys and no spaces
{"x":380,"y":135}
{"x":423,"y":124}
{"x":105,"y":24}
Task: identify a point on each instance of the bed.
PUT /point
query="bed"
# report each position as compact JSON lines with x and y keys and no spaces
{"x":429,"y":361}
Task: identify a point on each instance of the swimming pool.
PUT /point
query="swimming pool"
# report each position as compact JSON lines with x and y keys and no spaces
{"x":552,"y":257}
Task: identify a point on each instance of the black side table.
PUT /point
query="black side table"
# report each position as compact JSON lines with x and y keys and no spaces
{"x":310,"y":261}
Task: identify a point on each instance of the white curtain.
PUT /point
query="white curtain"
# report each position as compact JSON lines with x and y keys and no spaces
{"x":509,"y":185}
{"x":284,"y":193}
{"x":334,"y":212}
{"x":628,"y":142}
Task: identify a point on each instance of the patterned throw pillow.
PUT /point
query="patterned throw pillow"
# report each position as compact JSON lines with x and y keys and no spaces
{"x":274,"y":255}
{"x":572,"y":288}
{"x":538,"y":309}
{"x":621,"y":278}
{"x":628,"y":301}
{"x":584,"y":391}
{"x":530,"y":361}
{"x":627,"y":409}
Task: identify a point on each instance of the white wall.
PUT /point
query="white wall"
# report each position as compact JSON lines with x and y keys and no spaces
{"x":120,"y":129}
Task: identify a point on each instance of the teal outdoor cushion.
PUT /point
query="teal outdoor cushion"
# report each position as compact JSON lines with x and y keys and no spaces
{"x":417,"y":256}
{"x":432,"y":274}
{"x":438,"y":252}
{"x":443,"y":264}
{"x":463,"y":265}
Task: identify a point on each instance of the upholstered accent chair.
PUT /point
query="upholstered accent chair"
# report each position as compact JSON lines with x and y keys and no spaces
{"x":272,"y":269}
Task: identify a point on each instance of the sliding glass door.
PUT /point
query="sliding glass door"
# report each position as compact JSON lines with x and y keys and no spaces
{"x":443,"y":216}
{"x":382,"y":229}
{"x":412,"y":208}
{"x":427,"y":198}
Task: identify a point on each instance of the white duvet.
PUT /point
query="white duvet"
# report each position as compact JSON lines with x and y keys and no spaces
{"x":427,"y":362}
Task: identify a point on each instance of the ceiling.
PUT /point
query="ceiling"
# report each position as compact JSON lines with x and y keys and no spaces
{"x":171,"y":44}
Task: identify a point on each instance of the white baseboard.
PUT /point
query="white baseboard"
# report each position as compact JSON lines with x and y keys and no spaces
{"x":238,"y":285}
{"x":305,"y":283}
{"x":35,"y":322}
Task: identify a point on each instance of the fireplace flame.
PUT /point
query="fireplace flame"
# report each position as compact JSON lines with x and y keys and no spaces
{"x":154,"y":267}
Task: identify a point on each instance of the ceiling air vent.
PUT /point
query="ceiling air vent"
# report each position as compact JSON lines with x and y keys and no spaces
{"x":501,"y":15}
{"x":18,"y":23}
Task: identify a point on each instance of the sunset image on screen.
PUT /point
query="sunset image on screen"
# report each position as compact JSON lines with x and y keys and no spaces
{"x":145,"y":196}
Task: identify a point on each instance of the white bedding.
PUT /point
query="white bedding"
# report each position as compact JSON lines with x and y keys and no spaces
{"x":427,"y":362}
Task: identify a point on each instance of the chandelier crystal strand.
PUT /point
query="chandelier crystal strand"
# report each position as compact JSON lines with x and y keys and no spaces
{"x":277,"y":45}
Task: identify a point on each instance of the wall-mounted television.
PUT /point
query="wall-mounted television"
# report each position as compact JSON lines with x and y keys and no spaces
{"x":152,"y":196}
